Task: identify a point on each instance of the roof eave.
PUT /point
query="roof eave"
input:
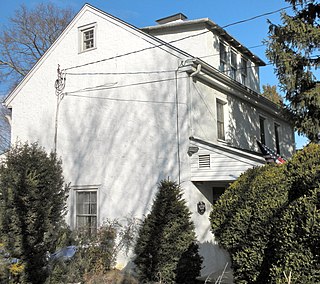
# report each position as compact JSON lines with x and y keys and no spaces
{"x":213,"y":27}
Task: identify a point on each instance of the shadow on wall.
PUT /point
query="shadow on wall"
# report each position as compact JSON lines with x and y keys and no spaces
{"x":244,"y":128}
{"x":121,"y":139}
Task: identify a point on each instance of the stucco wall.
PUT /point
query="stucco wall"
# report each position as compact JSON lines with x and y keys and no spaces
{"x":201,"y":43}
{"x":241,"y":120}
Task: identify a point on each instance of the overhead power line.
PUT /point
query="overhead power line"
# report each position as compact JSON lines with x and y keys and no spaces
{"x":256,"y":17}
{"x":173,"y":41}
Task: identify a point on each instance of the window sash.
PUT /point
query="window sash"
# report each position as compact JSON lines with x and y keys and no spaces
{"x":262,"y":130}
{"x":233,"y":60}
{"x":86,"y":210}
{"x":276,"y":133}
{"x":244,"y":67}
{"x":220,"y":120}
{"x":223,"y":56}
{"x":88,"y":39}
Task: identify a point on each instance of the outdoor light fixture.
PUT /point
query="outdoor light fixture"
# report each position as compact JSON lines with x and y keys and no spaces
{"x":201,"y":206}
{"x":192,"y":150}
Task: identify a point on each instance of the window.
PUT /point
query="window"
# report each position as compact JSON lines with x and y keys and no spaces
{"x":262,"y":130}
{"x":244,"y":70}
{"x":223,"y":57}
{"x":220,"y":120}
{"x":86,"y":210}
{"x":87,"y":37}
{"x":276,"y":134}
{"x":233,"y":65}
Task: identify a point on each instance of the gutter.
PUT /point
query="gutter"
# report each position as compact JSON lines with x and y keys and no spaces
{"x":212,"y":76}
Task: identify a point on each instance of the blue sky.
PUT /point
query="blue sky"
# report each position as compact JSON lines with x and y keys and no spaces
{"x":141,"y":13}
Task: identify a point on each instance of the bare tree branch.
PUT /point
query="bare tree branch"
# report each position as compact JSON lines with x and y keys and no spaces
{"x":22,"y":42}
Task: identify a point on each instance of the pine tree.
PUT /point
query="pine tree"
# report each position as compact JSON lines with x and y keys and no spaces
{"x":33,"y":200}
{"x":293,"y":48}
{"x":271,"y":93}
{"x":166,"y":248}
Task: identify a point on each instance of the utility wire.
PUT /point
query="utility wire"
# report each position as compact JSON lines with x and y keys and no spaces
{"x":255,"y":17}
{"x":122,"y":73}
{"x":98,"y":88}
{"x":145,"y":72}
{"x":173,"y":41}
{"x":114,"y":86}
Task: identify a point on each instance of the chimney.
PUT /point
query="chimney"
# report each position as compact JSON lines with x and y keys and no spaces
{"x":170,"y":19}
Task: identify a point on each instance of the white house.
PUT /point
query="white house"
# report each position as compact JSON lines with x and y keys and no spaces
{"x":132,"y":106}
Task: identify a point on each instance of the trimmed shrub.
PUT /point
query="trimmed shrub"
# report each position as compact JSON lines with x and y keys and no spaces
{"x":268,"y":220}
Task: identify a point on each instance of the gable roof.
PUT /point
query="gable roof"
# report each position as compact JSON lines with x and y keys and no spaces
{"x":158,"y":43}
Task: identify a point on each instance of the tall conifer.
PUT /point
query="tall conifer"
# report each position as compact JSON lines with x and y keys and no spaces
{"x":33,"y":199}
{"x":166,"y":248}
{"x":293,"y":48}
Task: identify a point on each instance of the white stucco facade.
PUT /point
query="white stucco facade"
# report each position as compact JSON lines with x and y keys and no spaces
{"x":128,"y":109}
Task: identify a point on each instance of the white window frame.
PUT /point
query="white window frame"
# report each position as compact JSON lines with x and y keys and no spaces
{"x":277,"y":131}
{"x":223,"y":56}
{"x":244,"y":70}
{"x":221,"y":136}
{"x":81,"y":35}
{"x":85,"y":189}
{"x":262,"y":130}
{"x":233,"y":64}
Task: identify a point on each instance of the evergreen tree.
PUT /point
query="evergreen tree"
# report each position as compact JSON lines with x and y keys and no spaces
{"x":33,"y":201}
{"x":166,"y":247}
{"x":269,"y":221}
{"x":271,"y":93}
{"x":293,"y":48}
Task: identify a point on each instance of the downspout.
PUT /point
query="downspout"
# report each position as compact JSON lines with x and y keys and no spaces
{"x":197,"y":71}
{"x":191,"y":101}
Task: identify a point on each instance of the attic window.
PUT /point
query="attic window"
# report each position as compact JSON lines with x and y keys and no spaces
{"x":87,"y":37}
{"x":204,"y":161}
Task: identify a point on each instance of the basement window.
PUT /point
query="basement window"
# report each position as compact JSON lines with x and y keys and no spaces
{"x":87,"y":37}
{"x":204,"y":161}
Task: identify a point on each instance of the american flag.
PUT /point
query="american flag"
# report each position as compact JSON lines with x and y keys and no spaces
{"x":270,"y":155}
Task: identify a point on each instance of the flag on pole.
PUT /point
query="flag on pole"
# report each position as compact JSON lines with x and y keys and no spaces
{"x":270,"y":155}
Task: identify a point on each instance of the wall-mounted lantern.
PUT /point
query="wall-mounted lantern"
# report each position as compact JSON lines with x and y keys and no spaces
{"x":201,"y":206}
{"x":192,"y":150}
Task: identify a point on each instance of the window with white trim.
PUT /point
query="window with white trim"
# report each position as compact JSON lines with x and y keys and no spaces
{"x":244,"y":70}
{"x":220,"y":120}
{"x":233,"y":65}
{"x":262,"y":130}
{"x":276,"y":134}
{"x":87,"y":37}
{"x":223,"y":57}
{"x":86,"y":210}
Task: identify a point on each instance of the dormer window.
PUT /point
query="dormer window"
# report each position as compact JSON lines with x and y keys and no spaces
{"x":87,"y":37}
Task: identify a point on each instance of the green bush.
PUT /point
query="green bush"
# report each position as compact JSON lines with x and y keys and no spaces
{"x":166,"y":248}
{"x":268,"y":220}
{"x":33,"y":203}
